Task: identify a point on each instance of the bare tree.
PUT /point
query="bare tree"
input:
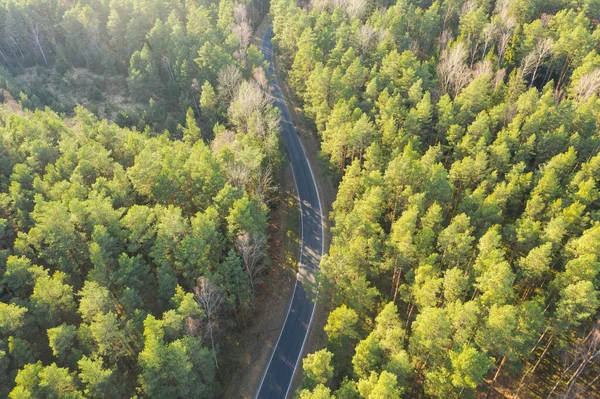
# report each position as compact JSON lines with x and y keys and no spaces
{"x":452,"y":69}
{"x":242,"y":30}
{"x":367,"y":37}
{"x":260,"y":77}
{"x":499,"y":76}
{"x":250,"y":99}
{"x":35,"y":35}
{"x":238,"y":174}
{"x":503,"y":41}
{"x":356,"y":8}
{"x":579,"y":357}
{"x":483,"y":68}
{"x":210,"y":298}
{"x":252,"y":247}
{"x":229,"y":81}
{"x":265,"y":185}
{"x":445,"y":38}
{"x":320,"y":5}
{"x":534,"y":59}
{"x":588,"y":85}
{"x":587,"y":352}
{"x":506,"y":24}
{"x":489,"y":34}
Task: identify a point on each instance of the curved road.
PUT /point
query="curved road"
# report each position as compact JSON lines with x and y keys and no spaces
{"x":277,"y":378}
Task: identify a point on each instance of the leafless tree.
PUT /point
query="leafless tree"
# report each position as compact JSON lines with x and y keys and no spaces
{"x":210,"y":298}
{"x":483,"y":68}
{"x":367,"y":37}
{"x":320,"y":5}
{"x":265,"y":185}
{"x":252,"y":247}
{"x":353,"y":8}
{"x":587,"y":352}
{"x":534,"y":59}
{"x":579,"y":358}
{"x":503,"y":41}
{"x":240,"y":13}
{"x":445,"y":38}
{"x":489,"y":35}
{"x":35,"y":35}
{"x":467,"y":7}
{"x":452,"y":69}
{"x":167,"y":63}
{"x":260,"y":77}
{"x":192,"y":326}
{"x":588,"y":85}
{"x":505,"y":26}
{"x":242,"y":30}
{"x":229,"y":81}
{"x":238,"y":174}
{"x":356,"y":8}
{"x":250,"y":99}
{"x":499,"y":76}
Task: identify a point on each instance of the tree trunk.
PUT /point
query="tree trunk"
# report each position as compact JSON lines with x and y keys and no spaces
{"x":212,"y":342}
{"x":532,"y":370}
{"x":495,"y":377}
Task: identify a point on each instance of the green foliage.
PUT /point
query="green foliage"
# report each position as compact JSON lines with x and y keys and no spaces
{"x":466,"y":137}
{"x":317,"y":368}
{"x":103,"y":227}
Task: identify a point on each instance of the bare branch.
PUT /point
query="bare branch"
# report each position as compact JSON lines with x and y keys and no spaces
{"x":229,"y":81}
{"x":210,"y":298}
{"x":452,"y":69}
{"x":588,"y":85}
{"x":252,"y":247}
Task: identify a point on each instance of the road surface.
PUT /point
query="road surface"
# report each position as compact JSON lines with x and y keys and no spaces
{"x":277,"y":377}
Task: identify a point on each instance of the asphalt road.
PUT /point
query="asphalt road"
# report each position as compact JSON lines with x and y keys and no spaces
{"x":277,"y":378}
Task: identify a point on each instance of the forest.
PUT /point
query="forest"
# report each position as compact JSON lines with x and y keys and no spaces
{"x":140,"y":157}
{"x":466,"y":229}
{"x":129,"y":235}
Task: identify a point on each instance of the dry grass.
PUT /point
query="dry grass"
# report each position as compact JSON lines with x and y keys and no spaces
{"x":104,"y":94}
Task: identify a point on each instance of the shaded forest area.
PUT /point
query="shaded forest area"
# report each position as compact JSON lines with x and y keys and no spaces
{"x":466,"y":238}
{"x":138,"y":62}
{"x":128,"y":246}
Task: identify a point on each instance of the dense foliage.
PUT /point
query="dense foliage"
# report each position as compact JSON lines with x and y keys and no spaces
{"x":141,"y":62}
{"x":122,"y":251}
{"x":466,"y":239}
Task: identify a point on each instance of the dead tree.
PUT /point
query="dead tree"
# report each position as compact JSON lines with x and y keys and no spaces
{"x":579,"y":358}
{"x":229,"y":81}
{"x":588,"y":85}
{"x":210,"y":298}
{"x":589,"y":350}
{"x":533,"y":60}
{"x":453,"y":72}
{"x":242,"y":30}
{"x":35,"y":35}
{"x":252,"y":247}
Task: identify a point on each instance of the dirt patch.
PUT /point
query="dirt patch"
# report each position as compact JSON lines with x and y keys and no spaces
{"x":246,"y":351}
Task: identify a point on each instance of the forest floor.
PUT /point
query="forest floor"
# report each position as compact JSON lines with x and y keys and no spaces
{"x":105,"y":96}
{"x":246,"y":351}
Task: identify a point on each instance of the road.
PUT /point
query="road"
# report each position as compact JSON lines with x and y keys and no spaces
{"x":277,"y":377}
